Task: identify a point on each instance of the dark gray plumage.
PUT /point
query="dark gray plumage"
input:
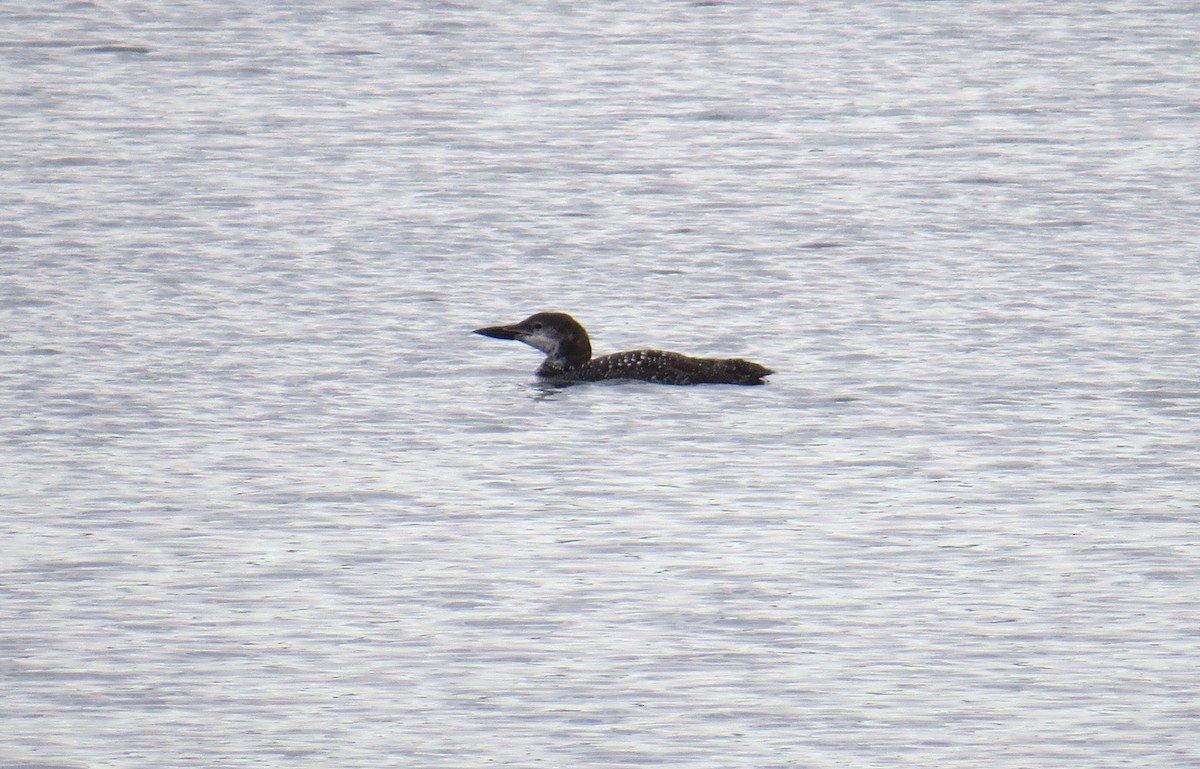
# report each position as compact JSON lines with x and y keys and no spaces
{"x":569,"y":357}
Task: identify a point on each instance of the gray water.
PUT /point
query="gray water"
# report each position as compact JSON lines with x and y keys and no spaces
{"x":267,"y":502}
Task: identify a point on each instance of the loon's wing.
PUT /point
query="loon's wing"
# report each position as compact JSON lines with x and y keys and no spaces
{"x":673,"y":368}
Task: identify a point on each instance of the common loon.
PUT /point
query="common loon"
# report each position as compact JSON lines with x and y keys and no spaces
{"x":569,"y":357}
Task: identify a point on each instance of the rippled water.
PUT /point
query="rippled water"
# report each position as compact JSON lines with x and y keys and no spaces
{"x":266,"y":500}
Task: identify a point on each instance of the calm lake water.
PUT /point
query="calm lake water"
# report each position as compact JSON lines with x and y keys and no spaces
{"x":266,"y":501}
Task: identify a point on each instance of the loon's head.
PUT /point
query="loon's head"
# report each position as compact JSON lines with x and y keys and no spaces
{"x":555,"y":333}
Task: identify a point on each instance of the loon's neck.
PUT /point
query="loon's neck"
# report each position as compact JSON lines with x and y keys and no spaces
{"x":570,"y":349}
{"x":557,"y":363}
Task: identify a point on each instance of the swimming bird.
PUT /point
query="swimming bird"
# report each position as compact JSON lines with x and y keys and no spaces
{"x":569,"y":357}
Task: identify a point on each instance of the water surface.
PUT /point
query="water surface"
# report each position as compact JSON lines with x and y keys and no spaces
{"x":266,"y":500}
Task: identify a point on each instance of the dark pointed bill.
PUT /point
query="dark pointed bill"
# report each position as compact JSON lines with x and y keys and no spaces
{"x":497,"y":332}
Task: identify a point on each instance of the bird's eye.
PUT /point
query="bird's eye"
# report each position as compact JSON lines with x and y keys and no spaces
{"x":537,"y":326}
